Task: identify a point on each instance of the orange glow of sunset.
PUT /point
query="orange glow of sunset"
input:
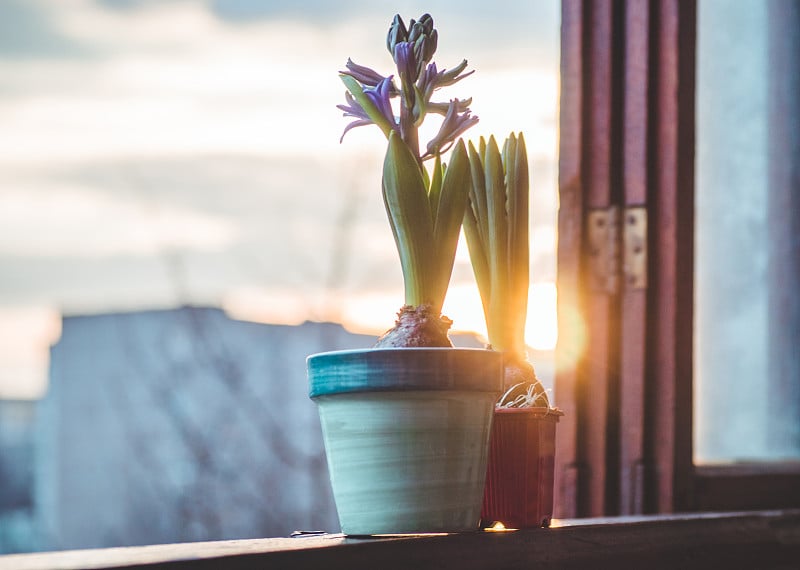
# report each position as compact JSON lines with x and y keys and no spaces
{"x":463,"y":305}
{"x":374,"y":312}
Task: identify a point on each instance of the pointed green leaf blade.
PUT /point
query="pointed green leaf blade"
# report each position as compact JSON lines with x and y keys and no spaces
{"x":477,"y":256}
{"x":450,"y":214}
{"x":520,"y":244}
{"x":478,"y":194}
{"x":436,"y":187}
{"x":500,"y":330}
{"x":406,"y":201}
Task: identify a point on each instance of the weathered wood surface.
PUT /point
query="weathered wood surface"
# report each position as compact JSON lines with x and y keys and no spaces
{"x":569,"y":348}
{"x":626,"y":142}
{"x":764,"y":540}
{"x":671,"y":288}
{"x":599,"y":373}
{"x":747,"y":486}
{"x":633,"y":302}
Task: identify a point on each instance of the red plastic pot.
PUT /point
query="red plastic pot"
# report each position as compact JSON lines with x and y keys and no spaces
{"x":521,"y":465}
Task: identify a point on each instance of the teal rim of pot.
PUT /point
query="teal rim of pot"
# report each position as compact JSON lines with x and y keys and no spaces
{"x":403,"y":369}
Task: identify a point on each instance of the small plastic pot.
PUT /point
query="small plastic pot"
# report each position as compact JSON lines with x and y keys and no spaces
{"x":521,"y":465}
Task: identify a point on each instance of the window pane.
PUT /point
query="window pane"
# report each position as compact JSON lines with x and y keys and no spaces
{"x":747,"y":371}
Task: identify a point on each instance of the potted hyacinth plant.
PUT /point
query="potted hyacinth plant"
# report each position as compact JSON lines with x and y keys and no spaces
{"x":519,"y":486}
{"x":406,"y":424}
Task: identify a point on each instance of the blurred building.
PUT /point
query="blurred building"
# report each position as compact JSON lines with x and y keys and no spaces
{"x":181,"y":425}
{"x":17,"y":521}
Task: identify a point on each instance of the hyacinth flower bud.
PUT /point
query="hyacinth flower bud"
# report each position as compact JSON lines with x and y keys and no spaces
{"x":419,"y":52}
{"x":406,"y":62}
{"x":407,"y":70}
{"x":427,"y":22}
{"x":423,"y":27}
{"x":425,"y":39}
{"x":397,"y":33}
{"x":429,"y":45}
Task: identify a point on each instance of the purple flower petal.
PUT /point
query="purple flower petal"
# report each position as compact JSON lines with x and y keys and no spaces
{"x":380,"y":96}
{"x":454,"y":124}
{"x":352,"y":108}
{"x":366,"y":76}
{"x":406,"y":62}
{"x":354,"y":124}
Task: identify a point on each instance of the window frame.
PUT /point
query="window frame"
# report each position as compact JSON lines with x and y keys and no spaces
{"x":625,"y":352}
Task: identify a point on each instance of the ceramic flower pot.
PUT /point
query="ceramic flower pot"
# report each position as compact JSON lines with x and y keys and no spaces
{"x":519,"y":479}
{"x":406,"y":434}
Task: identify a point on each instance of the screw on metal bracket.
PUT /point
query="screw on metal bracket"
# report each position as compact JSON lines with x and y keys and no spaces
{"x":634,"y":235}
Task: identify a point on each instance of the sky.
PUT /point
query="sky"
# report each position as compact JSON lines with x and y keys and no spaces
{"x":161,"y":153}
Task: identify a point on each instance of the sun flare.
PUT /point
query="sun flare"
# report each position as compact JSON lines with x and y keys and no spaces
{"x":463,"y":305}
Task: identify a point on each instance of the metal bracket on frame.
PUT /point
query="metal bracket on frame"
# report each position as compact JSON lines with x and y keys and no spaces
{"x":602,"y":231}
{"x":605,"y":238}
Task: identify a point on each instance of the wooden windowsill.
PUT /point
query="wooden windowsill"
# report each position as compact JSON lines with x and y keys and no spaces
{"x":748,"y":469}
{"x":764,"y":539}
{"x":747,"y":486}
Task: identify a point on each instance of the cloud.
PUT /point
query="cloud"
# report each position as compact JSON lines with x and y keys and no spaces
{"x":73,"y":222}
{"x":202,"y":85}
{"x":483,"y":32}
{"x":232,"y":221}
{"x":497,"y":24}
{"x":199,"y":155}
{"x":28,"y":31}
{"x":518,"y":17}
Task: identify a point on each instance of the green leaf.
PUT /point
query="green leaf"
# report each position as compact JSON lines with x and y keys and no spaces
{"x":496,"y":227}
{"x":509,"y":156}
{"x":436,"y":187}
{"x":496,"y":211}
{"x":498,"y":325}
{"x":450,"y":214}
{"x":518,"y":190}
{"x":406,"y":201}
{"x":477,"y":256}
{"x":420,"y":107}
{"x":478,"y":193}
{"x":476,"y":228}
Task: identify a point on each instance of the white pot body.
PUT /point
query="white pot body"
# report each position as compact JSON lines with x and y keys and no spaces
{"x":407,"y":462}
{"x":406,"y":434}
